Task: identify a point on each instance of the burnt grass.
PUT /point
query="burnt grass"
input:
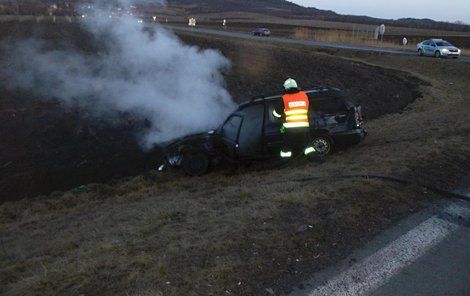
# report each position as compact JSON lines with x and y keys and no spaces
{"x":47,"y":146}
{"x":260,"y":68}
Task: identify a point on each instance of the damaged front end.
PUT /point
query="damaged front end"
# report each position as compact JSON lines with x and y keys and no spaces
{"x":193,"y":153}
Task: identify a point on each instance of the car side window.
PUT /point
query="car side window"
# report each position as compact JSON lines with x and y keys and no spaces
{"x":231,"y":128}
{"x":271,"y":107}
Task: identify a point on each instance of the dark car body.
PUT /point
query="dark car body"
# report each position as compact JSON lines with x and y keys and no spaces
{"x":263,"y":32}
{"x":252,"y":132}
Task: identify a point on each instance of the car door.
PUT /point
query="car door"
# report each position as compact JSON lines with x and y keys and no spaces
{"x":430,"y":48}
{"x":229,"y":136}
{"x":250,"y":138}
{"x":272,"y":129}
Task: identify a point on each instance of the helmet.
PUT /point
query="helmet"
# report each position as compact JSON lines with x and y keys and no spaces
{"x":290,"y":83}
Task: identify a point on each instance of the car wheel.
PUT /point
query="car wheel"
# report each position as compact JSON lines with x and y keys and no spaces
{"x":420,"y":52}
{"x":323,"y":144}
{"x":437,"y":54}
{"x":195,"y":164}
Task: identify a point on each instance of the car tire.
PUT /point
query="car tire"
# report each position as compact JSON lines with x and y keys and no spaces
{"x":195,"y":164}
{"x":420,"y":52}
{"x":437,"y":54}
{"x":323,"y":144}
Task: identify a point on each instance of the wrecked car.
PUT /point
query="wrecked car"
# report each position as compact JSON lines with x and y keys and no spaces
{"x":253,"y":133}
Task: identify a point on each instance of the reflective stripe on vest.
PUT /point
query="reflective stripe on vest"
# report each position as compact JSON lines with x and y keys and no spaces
{"x":296,"y":118}
{"x":296,"y":109}
{"x":296,"y":112}
{"x":296,"y":124}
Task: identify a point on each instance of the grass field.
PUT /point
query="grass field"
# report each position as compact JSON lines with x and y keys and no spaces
{"x":296,"y":28}
{"x":242,"y":231}
{"x":355,"y":34}
{"x":247,"y":18}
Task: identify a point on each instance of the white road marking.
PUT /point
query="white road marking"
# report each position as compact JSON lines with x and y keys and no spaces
{"x":375,"y":270}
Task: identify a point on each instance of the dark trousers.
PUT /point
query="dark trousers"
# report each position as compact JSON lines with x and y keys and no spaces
{"x":296,"y":140}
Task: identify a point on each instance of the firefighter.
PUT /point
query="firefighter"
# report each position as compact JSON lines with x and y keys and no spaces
{"x":293,"y":110}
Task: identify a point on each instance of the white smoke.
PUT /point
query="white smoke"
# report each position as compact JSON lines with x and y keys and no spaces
{"x":177,"y":87}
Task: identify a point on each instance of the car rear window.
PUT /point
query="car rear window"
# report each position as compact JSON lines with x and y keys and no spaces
{"x":327,"y":103}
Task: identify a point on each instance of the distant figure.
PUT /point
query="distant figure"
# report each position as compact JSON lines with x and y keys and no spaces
{"x":294,"y":111}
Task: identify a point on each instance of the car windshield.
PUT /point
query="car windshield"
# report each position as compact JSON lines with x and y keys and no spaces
{"x":443,"y":43}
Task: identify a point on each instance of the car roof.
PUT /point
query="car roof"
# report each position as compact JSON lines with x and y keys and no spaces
{"x":277,"y":96}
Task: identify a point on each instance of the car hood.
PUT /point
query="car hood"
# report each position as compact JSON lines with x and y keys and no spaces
{"x":448,"y":47}
{"x":191,"y":137}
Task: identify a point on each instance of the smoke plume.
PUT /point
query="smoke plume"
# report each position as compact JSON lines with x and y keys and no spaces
{"x":178,"y":88}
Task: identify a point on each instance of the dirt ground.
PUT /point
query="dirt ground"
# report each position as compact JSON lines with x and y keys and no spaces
{"x":243,"y":232}
{"x":48,"y":147}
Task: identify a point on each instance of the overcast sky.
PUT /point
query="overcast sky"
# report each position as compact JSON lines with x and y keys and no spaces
{"x":434,"y":9}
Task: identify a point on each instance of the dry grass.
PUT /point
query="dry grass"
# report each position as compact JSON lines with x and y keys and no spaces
{"x":465,"y":51}
{"x":227,"y":233}
{"x":360,"y":37}
{"x":186,"y":236}
{"x":348,"y":37}
{"x":258,"y":18}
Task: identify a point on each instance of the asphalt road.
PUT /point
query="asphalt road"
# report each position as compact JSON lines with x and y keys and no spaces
{"x":314,"y":44}
{"x":444,"y":270}
{"x":426,"y":254}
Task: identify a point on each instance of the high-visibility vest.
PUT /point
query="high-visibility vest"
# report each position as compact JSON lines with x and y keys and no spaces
{"x":296,"y":110}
